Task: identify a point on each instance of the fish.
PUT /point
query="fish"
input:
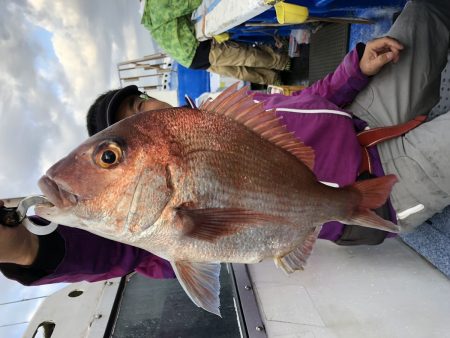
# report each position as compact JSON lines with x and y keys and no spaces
{"x":225,"y":183}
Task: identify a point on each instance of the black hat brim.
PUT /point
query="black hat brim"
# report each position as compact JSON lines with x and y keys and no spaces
{"x":117,"y":99}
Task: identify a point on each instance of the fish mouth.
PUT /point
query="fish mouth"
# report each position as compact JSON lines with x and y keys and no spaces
{"x":56,"y":195}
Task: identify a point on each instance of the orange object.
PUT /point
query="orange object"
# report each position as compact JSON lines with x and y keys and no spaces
{"x":371,"y":137}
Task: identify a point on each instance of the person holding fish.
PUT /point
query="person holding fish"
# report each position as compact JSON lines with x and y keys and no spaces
{"x":228,"y":183}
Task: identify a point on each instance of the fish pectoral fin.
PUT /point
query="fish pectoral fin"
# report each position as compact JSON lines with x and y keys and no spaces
{"x":201,"y":283}
{"x":212,"y":223}
{"x":297,"y":258}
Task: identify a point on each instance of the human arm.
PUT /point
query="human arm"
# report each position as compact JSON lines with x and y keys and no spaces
{"x":17,"y":245}
{"x":378,"y":53}
{"x":353,"y":74}
{"x":72,"y":255}
{"x":18,"y":248}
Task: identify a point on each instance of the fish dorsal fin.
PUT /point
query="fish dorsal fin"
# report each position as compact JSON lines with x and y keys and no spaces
{"x":201,"y":283}
{"x":297,"y":258}
{"x":238,"y":105}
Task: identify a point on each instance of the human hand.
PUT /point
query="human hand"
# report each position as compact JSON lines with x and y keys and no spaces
{"x":379,"y":52}
{"x":17,"y":245}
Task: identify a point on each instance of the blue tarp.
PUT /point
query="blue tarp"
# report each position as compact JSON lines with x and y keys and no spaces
{"x":377,"y":10}
{"x":191,"y":82}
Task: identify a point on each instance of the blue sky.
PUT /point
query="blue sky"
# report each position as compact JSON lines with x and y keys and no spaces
{"x":57,"y":57}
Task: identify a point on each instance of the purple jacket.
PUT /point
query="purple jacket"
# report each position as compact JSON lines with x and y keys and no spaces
{"x":92,"y":258}
{"x":315,"y":115}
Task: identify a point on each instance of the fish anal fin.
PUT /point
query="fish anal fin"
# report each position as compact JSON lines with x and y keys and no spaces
{"x":239,"y":106}
{"x":297,"y":258}
{"x":212,"y":223}
{"x":201,"y":283}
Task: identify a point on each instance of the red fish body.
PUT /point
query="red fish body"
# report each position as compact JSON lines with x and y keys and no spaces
{"x":225,"y":183}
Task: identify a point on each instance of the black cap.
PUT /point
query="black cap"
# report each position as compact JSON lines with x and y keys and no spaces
{"x":101,"y":113}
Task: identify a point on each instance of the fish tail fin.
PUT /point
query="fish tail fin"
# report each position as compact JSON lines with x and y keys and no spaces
{"x":374,"y":193}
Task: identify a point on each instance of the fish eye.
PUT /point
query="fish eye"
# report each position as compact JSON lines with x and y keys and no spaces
{"x":109,"y":157}
{"x":108,"y":154}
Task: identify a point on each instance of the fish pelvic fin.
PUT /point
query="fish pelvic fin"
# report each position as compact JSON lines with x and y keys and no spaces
{"x":239,"y":105}
{"x":212,"y":223}
{"x":201,"y":283}
{"x":297,"y":258}
{"x":374,"y":194}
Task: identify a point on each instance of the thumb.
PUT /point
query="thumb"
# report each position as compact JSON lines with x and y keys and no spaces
{"x":382,"y":59}
{"x":377,"y":63}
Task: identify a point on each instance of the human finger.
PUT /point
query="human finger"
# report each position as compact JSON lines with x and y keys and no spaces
{"x":1,"y":205}
{"x":395,"y":53}
{"x":396,"y":56}
{"x":380,"y":60}
{"x":388,"y":42}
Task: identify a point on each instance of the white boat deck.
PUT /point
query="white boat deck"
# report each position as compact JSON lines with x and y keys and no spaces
{"x":368,"y":291}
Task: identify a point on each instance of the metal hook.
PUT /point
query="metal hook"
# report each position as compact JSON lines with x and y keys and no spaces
{"x":36,"y":229}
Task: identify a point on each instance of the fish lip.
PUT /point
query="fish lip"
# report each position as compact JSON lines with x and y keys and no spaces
{"x":58,"y":196}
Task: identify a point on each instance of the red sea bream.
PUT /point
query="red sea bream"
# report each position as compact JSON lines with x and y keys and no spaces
{"x":223,"y":183}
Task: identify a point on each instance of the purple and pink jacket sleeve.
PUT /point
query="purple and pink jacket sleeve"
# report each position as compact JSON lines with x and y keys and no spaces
{"x":335,"y":91}
{"x":92,"y":258}
{"x":341,"y":86}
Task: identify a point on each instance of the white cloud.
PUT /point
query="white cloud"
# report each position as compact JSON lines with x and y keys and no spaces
{"x":57,"y":57}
